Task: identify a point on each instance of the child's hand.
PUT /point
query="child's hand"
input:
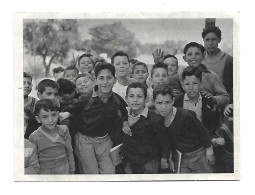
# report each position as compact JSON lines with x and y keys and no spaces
{"x":164,"y":164}
{"x":228,"y":110}
{"x":63,"y":116}
{"x":210,"y":159}
{"x":218,"y":141}
{"x":63,"y":131}
{"x":126,"y":129}
{"x":158,"y":55}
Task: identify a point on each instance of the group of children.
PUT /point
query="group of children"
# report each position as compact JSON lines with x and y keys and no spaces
{"x":170,"y":122}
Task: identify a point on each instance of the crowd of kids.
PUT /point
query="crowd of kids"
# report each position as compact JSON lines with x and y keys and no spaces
{"x":163,"y":121}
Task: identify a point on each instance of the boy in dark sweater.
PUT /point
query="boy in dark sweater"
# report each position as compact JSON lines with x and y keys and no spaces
{"x":186,"y":133}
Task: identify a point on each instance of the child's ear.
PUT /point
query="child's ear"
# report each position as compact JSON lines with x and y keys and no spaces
{"x":184,"y":58}
{"x":39,"y":95}
{"x":37,"y":119}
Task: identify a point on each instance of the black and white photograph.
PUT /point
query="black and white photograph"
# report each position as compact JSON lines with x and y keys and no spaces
{"x":126,"y":97}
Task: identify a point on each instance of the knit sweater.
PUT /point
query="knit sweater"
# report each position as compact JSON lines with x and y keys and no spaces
{"x":31,"y":163}
{"x":53,"y":152}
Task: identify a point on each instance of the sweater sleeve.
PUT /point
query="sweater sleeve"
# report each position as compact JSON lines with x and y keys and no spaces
{"x":163,"y":138}
{"x":33,"y":164}
{"x":228,"y":74}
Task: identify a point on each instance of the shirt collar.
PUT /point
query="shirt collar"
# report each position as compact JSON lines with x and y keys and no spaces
{"x":186,"y":98}
{"x":95,"y":93}
{"x":143,"y":113}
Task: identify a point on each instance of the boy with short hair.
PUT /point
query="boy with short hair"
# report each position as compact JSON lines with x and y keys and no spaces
{"x":86,"y":63}
{"x":95,"y":120}
{"x":57,"y":71}
{"x":29,"y":102}
{"x":195,"y":101}
{"x":70,"y":73}
{"x":55,"y":153}
{"x":140,"y":72}
{"x":186,"y":133}
{"x":148,"y":144}
{"x":172,"y":64}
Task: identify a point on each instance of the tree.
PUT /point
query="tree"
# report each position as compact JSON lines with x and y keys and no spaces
{"x":110,"y":38}
{"x":50,"y":39}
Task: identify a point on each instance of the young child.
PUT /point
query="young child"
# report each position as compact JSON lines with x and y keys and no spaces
{"x":70,"y":73}
{"x":31,"y":163}
{"x":195,"y":101}
{"x":95,"y":120}
{"x":29,"y":102}
{"x":140,"y":72}
{"x":86,"y":63}
{"x":57,"y":71}
{"x":172,"y":64}
{"x":120,"y":60}
{"x":131,"y":63}
{"x":186,"y":133}
{"x":55,"y":153}
{"x":147,"y":145}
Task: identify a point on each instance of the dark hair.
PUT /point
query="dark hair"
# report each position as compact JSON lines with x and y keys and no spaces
{"x":137,"y":85}
{"x":57,"y":70}
{"x":213,"y":29}
{"x":27,"y":75}
{"x":71,"y":68}
{"x":65,"y":86}
{"x":28,"y":112}
{"x":85,"y":74}
{"x":194,"y":44}
{"x":158,"y":65}
{"x":163,"y":90}
{"x":86,"y":55}
{"x":45,"y":104}
{"x":104,"y":65}
{"x":140,"y":64}
{"x":119,"y":53}
{"x":170,"y":56}
{"x":99,"y":59}
{"x":192,"y":70}
{"x":133,"y":61}
{"x":47,"y":83}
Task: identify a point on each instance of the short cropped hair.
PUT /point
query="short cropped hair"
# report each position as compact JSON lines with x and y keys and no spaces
{"x":102,"y":66}
{"x":119,"y":53}
{"x":85,"y":74}
{"x":65,"y":86}
{"x":170,"y":56}
{"x":163,"y":90}
{"x":192,"y":70}
{"x":212,"y":29}
{"x":47,"y":83}
{"x":158,"y":65}
{"x":99,"y":59}
{"x":133,"y":61}
{"x":140,"y":64}
{"x":57,"y":70}
{"x":71,"y":68}
{"x":86,"y":55}
{"x":27,"y":75}
{"x":137,"y":85}
{"x":45,"y":104}
{"x":194,"y":44}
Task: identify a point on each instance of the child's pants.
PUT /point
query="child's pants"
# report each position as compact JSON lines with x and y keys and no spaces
{"x":195,"y":162}
{"x":64,"y":169}
{"x":93,"y":154}
{"x":151,"y":167}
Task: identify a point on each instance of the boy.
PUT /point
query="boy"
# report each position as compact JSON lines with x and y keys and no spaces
{"x":140,"y":72}
{"x":55,"y":153}
{"x":148,"y":142}
{"x":70,"y":73}
{"x":172,"y":64}
{"x":29,"y":102}
{"x":95,"y":120}
{"x":186,"y":133}
{"x":86,"y":63}
{"x":57,"y":71}
{"x":193,"y":100}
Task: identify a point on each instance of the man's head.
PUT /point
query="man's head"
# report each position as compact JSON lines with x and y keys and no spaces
{"x":70,"y":73}
{"x":66,"y":91}
{"x":136,"y":97}
{"x":172,"y":64}
{"x":47,"y":89}
{"x":140,"y":72}
{"x":84,"y":83}
{"x":159,"y":74}
{"x":85,"y":63}
{"x":191,"y":79}
{"x":120,"y":60}
{"x":212,"y":37}
{"x":57,"y":71}
{"x":194,"y":53}
{"x":27,"y":84}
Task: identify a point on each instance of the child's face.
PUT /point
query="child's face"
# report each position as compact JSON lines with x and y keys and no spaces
{"x":163,"y":104}
{"x":140,"y":74}
{"x":48,"y":119}
{"x":121,"y":66}
{"x":86,"y":65}
{"x":49,"y":93}
{"x":55,"y":75}
{"x":192,"y":86}
{"x":67,"y":99}
{"x":136,"y":100}
{"x":172,"y":66}
{"x":105,"y":81}
{"x":211,"y":42}
{"x":27,"y":85}
{"x":159,"y":77}
{"x":84,"y":85}
{"x":71,"y":75}
{"x":193,"y":56}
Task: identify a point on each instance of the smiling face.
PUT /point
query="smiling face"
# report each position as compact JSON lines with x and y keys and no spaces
{"x":84,"y":85}
{"x":48,"y":119}
{"x":192,"y":86}
{"x":27,"y":86}
{"x":86,"y":65}
{"x":211,"y":42}
{"x":193,"y":56}
{"x":140,"y":74}
{"x":159,"y":77}
{"x":172,"y":66}
{"x":105,"y":81}
{"x":136,"y":100}
{"x":71,"y":75}
{"x":164,"y":104}
{"x":121,"y":65}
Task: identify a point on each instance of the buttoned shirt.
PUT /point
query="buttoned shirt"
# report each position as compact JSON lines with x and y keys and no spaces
{"x":196,"y":107}
{"x":132,"y":119}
